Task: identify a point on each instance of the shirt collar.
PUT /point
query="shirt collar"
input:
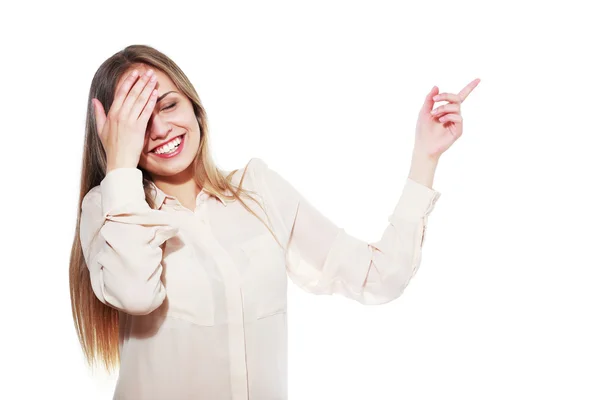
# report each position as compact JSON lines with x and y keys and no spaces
{"x":161,"y":197}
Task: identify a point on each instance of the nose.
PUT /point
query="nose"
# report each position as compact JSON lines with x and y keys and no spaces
{"x":158,"y":129}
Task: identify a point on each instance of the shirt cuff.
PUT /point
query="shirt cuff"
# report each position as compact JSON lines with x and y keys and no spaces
{"x":122,"y":188}
{"x":417,"y":200}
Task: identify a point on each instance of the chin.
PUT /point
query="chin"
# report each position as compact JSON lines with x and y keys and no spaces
{"x":171,"y":169}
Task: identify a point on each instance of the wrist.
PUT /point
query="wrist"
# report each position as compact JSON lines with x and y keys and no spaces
{"x":424,"y":157}
{"x":422,"y":168}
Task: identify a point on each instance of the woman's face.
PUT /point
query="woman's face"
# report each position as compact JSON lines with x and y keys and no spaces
{"x":172,"y":121}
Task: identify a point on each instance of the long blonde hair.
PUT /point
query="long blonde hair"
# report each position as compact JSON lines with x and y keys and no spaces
{"x":97,"y":324}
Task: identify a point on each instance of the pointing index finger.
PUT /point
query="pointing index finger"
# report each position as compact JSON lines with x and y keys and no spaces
{"x":468,"y":89}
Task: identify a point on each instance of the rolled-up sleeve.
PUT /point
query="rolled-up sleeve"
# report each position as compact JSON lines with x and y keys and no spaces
{"x":323,"y":258}
{"x":121,"y":238}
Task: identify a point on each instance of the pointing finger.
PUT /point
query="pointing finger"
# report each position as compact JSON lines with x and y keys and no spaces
{"x":468,"y":89}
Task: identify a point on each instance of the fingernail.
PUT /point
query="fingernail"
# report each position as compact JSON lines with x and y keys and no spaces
{"x":436,"y":97}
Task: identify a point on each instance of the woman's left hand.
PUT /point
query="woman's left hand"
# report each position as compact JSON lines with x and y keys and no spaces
{"x":437,"y":130}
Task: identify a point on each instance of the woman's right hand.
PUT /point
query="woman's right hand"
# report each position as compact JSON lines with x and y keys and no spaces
{"x":122,"y":132}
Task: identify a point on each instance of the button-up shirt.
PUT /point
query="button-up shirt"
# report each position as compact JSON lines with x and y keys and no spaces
{"x":201,"y":293}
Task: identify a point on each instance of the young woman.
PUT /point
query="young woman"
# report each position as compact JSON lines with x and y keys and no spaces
{"x":178,"y":269}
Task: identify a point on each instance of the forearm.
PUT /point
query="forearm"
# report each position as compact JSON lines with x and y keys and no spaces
{"x":422,"y":169}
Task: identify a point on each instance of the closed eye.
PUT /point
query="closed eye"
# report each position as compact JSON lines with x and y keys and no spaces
{"x":170,"y":106}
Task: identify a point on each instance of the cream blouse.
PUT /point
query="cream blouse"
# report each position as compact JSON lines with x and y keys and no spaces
{"x":202,"y":293}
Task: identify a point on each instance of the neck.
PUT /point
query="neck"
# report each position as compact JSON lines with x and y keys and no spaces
{"x":182,"y":186}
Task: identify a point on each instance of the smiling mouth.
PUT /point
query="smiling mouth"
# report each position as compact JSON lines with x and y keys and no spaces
{"x":166,"y":151}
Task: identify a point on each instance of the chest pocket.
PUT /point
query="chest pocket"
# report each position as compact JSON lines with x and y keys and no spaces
{"x":189,"y":289}
{"x":265,"y":280}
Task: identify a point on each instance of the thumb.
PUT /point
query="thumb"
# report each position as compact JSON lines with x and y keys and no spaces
{"x":99,"y":114}
{"x":428,"y":103}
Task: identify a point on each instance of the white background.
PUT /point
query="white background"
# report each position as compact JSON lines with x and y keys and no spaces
{"x":505,"y":303}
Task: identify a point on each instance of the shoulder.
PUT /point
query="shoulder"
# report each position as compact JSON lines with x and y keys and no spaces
{"x":260,"y":171}
{"x":257,"y":164}
{"x":248,"y":175}
{"x":257,"y":175}
{"x":253,"y":169}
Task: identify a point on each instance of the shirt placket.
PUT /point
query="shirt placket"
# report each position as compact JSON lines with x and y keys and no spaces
{"x":233,"y":298}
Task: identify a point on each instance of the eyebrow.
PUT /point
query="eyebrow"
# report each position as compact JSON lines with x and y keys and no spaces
{"x":163,"y":96}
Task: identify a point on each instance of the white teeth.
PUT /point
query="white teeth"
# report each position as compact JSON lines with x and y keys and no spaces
{"x":167,"y":148}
